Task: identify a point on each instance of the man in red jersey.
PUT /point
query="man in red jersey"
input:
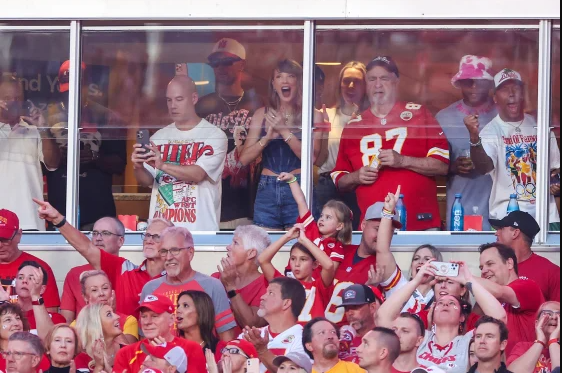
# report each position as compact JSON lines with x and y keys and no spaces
{"x":156,"y":321}
{"x":517,"y":230}
{"x":392,"y":142}
{"x":11,"y":258}
{"x":127,"y":278}
{"x":358,"y":261}
{"x":521,"y":297}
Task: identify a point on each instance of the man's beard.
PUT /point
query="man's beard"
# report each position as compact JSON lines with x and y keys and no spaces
{"x":330,"y":354}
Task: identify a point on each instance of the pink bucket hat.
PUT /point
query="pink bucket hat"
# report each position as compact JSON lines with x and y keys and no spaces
{"x":473,"y":67}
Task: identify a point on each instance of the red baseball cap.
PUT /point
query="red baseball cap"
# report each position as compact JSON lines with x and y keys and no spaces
{"x":243,"y":345}
{"x":9,"y":224}
{"x":158,"y":304}
{"x":64,"y":79}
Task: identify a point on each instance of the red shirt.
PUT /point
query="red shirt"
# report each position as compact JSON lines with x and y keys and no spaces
{"x":349,"y":341}
{"x":544,"y":364}
{"x":127,"y":280}
{"x":131,"y":357}
{"x":72,"y":299}
{"x":82,"y":362}
{"x":394,"y":370}
{"x":410,"y":130}
{"x":56,"y":317}
{"x":8,"y":273}
{"x":548,"y":278}
{"x":348,"y":273}
{"x":521,"y":321}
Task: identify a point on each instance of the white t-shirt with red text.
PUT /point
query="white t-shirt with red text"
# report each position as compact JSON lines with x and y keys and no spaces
{"x":194,"y":206}
{"x":452,"y":358}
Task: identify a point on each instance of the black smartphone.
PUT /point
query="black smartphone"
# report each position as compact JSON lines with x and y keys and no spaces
{"x":27,"y":108}
{"x":555,"y":179}
{"x":143,"y":138}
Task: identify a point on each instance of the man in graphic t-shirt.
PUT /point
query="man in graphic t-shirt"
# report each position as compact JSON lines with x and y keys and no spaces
{"x":506,"y":149}
{"x":231,"y":108}
{"x":184,"y":163}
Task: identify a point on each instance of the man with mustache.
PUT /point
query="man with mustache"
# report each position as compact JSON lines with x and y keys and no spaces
{"x":505,"y":150}
{"x":321,"y":341}
{"x":177,"y":251}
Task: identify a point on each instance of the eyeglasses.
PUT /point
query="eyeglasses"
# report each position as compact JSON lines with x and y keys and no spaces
{"x":7,"y":241}
{"x":146,"y":236}
{"x":105,"y":234}
{"x":550,"y":313}
{"x":175,"y":251}
{"x":226,"y":62}
{"x":16,"y":354}
{"x":234,"y":351}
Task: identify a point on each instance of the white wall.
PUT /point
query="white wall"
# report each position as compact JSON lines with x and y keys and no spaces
{"x":62,"y":259}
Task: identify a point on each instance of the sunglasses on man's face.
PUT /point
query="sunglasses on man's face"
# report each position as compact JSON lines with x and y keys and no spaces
{"x":226,"y":62}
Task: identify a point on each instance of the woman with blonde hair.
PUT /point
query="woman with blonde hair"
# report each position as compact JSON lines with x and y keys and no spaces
{"x":98,"y":328}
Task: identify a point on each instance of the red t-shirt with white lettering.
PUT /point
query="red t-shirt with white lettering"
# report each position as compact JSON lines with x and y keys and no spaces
{"x":521,"y":320}
{"x":548,"y":278}
{"x":544,"y":364}
{"x":8,"y":273}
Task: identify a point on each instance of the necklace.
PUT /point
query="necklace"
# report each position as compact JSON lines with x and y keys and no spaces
{"x":287,"y":118}
{"x":234,"y":103}
{"x":517,"y":127}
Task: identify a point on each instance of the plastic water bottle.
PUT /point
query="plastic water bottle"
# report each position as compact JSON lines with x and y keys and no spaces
{"x":513,"y":204}
{"x":457,"y":215}
{"x":401,"y":210}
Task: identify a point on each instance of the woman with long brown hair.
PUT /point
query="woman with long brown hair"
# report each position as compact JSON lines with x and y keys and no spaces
{"x":195,"y":318}
{"x":275,"y":135}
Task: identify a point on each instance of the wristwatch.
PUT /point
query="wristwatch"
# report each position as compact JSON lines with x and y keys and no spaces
{"x":231,"y":294}
{"x":38,"y":302}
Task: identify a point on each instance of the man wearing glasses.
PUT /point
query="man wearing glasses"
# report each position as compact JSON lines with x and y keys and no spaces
{"x":236,"y":352}
{"x":127,"y":278}
{"x":24,"y":353}
{"x":231,"y":109}
{"x":108,"y":235}
{"x":11,"y":258}
{"x":177,"y":251}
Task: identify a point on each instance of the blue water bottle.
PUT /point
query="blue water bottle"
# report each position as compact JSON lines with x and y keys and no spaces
{"x":401,"y":211}
{"x":457,"y":215}
{"x":513,"y":204}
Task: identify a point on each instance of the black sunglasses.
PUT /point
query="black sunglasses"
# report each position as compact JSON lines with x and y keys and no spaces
{"x":226,"y":62}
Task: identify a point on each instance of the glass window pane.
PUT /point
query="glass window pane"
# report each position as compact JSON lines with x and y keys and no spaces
{"x":413,"y":107}
{"x":214,"y":169}
{"x":555,"y":124}
{"x":32,"y":119}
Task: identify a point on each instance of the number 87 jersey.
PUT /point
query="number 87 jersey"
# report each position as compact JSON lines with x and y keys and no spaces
{"x":410,"y":130}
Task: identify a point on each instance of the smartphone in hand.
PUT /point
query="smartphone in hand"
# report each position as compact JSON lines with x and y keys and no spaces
{"x":143,"y":138}
{"x":446,"y":269}
{"x":253,"y":366}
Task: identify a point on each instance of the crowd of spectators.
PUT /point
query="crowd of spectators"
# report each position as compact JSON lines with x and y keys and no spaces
{"x":336,"y":307}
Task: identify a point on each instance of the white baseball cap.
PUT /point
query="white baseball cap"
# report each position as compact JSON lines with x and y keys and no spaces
{"x":230,"y":47}
{"x":505,"y":75}
{"x":433,"y":369}
{"x":174,"y":355}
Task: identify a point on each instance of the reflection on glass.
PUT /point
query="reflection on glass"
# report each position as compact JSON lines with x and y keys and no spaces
{"x":555,"y":123}
{"x":29,"y":91}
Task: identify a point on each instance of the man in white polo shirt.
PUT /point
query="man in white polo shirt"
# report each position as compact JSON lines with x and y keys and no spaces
{"x":25,"y":143}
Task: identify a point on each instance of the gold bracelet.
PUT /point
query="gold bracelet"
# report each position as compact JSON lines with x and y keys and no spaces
{"x":289,"y":138}
{"x":262,"y":145}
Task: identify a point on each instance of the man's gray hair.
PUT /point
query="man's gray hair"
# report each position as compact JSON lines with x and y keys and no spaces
{"x":253,"y":237}
{"x":118,"y":224}
{"x":166,"y":222}
{"x":34,"y":342}
{"x":179,"y":231}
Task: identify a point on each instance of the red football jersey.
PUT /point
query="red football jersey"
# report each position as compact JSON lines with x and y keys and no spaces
{"x":348,"y":273}
{"x":409,"y":129}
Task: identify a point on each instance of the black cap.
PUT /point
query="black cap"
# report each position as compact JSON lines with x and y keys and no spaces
{"x":358,"y":295}
{"x":520,"y":220}
{"x":386,"y":62}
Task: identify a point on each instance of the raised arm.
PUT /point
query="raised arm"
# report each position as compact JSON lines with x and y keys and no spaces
{"x":328,"y":267}
{"x":487,"y":301}
{"x":298,"y":194}
{"x":143,"y":176}
{"x":391,"y":308}
{"x":43,"y":320}
{"x":385,"y":258}
{"x":268,"y":254}
{"x":75,"y":238}
{"x":483,"y":164}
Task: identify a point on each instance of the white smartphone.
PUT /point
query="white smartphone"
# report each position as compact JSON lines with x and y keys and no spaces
{"x":446,"y":269}
{"x":253,"y":366}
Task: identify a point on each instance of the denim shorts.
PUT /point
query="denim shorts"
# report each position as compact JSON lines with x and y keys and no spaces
{"x":275,"y":206}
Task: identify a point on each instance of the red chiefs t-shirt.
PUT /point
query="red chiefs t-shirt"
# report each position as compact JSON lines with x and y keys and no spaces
{"x":521,"y":321}
{"x":544,"y":364}
{"x":127,"y":280}
{"x":131,"y":357}
{"x":408,"y":129}
{"x":548,"y":278}
{"x":72,"y":299}
{"x":348,"y":273}
{"x":56,"y":317}
{"x":9,"y":272}
{"x":349,"y":341}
